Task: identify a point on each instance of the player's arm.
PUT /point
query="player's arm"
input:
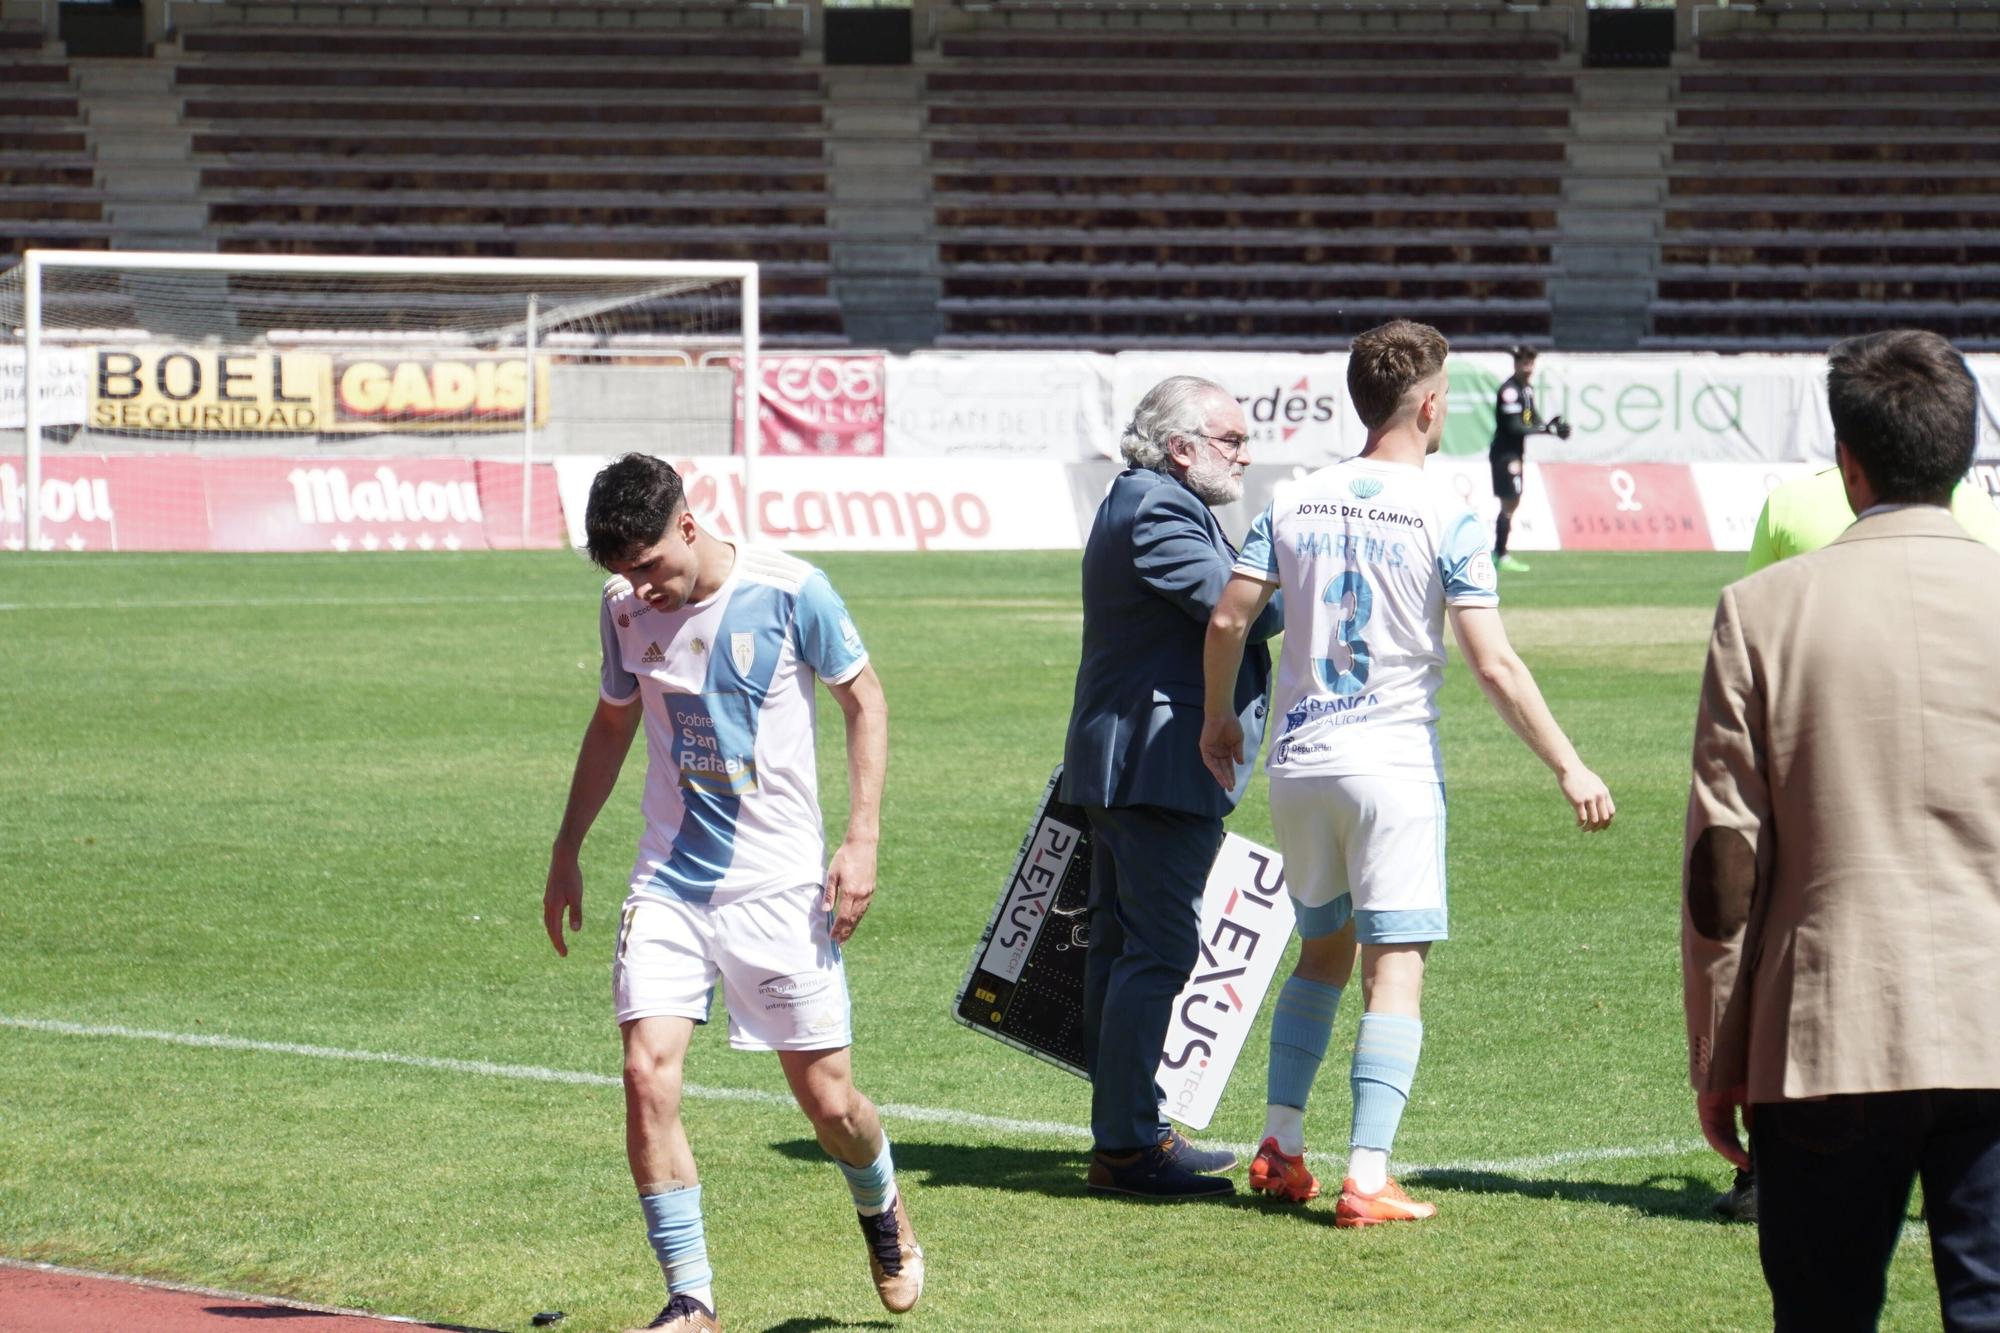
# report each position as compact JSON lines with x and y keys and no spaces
{"x":1243,"y":600}
{"x":598,"y":762}
{"x":1511,"y":688}
{"x":850,"y":875}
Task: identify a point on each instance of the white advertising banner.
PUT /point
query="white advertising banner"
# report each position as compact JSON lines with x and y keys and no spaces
{"x":64,"y":387}
{"x":1246,"y":922}
{"x":1001,"y":405}
{"x":1732,"y":495}
{"x":867,"y":504}
{"x":1534,"y":527}
{"x":1986,"y":369}
{"x":1680,"y":408}
{"x":1296,"y":404}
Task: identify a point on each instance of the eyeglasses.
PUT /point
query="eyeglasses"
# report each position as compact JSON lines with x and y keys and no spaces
{"x":1234,"y":444}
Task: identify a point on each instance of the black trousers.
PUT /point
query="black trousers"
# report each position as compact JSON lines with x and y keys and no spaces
{"x":1149,"y":866}
{"x":1833,"y":1187}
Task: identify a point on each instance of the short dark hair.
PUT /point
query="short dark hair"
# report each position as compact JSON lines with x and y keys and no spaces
{"x":1523,"y":352}
{"x":631,"y":502}
{"x":1906,"y":407}
{"x":1384,"y":362}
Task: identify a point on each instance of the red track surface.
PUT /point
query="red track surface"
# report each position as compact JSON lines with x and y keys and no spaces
{"x":65,"y":1301}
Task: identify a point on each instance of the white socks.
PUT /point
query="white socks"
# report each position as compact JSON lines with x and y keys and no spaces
{"x":1286,"y":1124}
{"x":1368,"y":1168}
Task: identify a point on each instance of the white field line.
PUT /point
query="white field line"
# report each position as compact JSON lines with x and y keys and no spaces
{"x":935,"y":1115}
{"x":218,"y":1293}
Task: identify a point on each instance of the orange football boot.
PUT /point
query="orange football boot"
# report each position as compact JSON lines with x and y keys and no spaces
{"x":1388,"y":1204}
{"x":1282,"y":1176}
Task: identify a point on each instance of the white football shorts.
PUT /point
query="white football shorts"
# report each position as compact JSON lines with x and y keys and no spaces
{"x":782,"y":978}
{"x":1369,"y":846}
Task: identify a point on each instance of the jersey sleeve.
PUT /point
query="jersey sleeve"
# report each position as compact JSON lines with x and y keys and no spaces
{"x":824,"y":633}
{"x":614,"y":683}
{"x":1259,"y":556}
{"x":1465,"y":563}
{"x":1763,"y":543}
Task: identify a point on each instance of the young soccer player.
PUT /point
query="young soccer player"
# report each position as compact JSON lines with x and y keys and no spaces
{"x":715,"y":649}
{"x":1370,"y":555}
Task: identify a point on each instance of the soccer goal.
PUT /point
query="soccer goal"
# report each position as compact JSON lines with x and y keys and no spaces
{"x":389,"y":402}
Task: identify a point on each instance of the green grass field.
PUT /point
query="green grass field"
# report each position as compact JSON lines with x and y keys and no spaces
{"x":307,"y":801}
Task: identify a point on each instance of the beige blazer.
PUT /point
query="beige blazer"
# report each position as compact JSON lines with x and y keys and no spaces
{"x":1840,"y":906}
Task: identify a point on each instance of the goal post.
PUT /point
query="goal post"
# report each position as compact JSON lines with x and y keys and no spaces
{"x":145,"y":356}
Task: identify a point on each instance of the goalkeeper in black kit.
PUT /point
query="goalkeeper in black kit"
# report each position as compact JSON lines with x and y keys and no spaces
{"x":1514,"y":420}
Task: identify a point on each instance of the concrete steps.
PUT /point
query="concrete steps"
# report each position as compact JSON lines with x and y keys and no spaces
{"x":884,"y":256}
{"x":144,"y":156}
{"x":1614,"y":195}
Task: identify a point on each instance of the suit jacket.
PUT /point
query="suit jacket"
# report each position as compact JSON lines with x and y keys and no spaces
{"x":1153,"y":570}
{"x":1840,"y":923}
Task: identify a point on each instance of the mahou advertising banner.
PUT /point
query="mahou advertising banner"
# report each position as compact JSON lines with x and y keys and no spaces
{"x":820,"y":404}
{"x":93,"y":503}
{"x":291,"y":504}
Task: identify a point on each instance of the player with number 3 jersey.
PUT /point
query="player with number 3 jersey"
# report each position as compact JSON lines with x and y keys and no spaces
{"x":1371,"y":556}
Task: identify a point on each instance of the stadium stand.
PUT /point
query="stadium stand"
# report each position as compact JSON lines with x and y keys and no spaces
{"x":1826,"y":183}
{"x":553,"y":143}
{"x":48,"y":186}
{"x":1243,"y":189}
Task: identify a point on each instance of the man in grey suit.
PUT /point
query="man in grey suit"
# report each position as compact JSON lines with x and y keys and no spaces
{"x":1153,"y":568}
{"x":1840,"y":932}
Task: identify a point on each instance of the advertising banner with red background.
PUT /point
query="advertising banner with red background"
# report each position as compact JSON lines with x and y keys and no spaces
{"x":1637,"y":507}
{"x":819,"y":404}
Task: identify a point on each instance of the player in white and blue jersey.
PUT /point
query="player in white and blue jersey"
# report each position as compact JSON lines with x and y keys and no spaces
{"x":1371,"y":557}
{"x":714,"y":650}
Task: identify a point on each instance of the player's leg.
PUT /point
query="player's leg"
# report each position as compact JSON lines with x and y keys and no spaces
{"x":1397,"y":864}
{"x":661,"y":979}
{"x":1509,"y":478}
{"x":1310,"y":832}
{"x":850,"y":1130}
{"x":786,"y":988}
{"x":656,"y":1147}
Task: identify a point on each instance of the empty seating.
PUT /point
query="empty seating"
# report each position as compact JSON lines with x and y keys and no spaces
{"x":1243,"y":190}
{"x":1826,"y":184}
{"x":682,"y":144}
{"x":48,"y":190}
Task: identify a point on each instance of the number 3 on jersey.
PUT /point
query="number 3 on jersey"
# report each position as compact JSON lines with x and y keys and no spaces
{"x":1346,"y":671}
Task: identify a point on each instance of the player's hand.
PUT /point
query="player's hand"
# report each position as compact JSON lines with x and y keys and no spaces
{"x":1717,"y":1112}
{"x":850,"y":887}
{"x":1222,"y":749}
{"x":1590,"y":798}
{"x":1560,"y":428}
{"x":564,"y":890}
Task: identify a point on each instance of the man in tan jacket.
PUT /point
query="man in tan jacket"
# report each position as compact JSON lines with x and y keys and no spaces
{"x":1840,"y":928}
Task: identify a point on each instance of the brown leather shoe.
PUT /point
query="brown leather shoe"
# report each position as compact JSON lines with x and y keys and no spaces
{"x":683,"y":1314}
{"x":895,"y":1260}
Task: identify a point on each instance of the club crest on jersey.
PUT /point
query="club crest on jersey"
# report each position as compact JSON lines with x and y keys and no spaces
{"x":742,"y":651}
{"x":698,"y":646}
{"x":1365,"y":488}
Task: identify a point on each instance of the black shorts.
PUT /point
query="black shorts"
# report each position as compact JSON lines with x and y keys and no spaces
{"x":1507,"y":476}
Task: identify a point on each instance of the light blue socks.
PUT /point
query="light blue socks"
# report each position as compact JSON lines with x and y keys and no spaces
{"x":673,"y":1225}
{"x":874,"y":1185}
{"x":1385,"y":1063}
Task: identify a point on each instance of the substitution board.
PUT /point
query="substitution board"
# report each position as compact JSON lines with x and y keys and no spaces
{"x":1025,"y":984}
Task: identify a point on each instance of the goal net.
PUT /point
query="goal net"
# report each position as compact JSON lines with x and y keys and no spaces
{"x":238,"y":402}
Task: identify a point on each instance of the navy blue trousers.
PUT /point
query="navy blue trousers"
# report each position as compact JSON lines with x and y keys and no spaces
{"x":1833,"y":1187}
{"x":1148,"y":868}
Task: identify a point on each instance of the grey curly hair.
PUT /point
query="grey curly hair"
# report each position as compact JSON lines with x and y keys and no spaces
{"x":1174,"y":406}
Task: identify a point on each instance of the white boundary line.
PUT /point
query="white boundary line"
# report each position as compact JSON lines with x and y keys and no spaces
{"x":220,"y":1294}
{"x":936,"y":1115}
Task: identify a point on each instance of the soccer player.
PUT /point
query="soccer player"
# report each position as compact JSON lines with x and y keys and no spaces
{"x":1514,"y":420}
{"x":1370,"y":555}
{"x":714,"y":649}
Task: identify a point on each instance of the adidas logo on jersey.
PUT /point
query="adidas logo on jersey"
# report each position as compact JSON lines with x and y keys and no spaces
{"x":652,"y":656}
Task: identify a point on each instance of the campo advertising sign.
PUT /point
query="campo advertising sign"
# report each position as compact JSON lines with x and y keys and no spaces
{"x":243,"y":391}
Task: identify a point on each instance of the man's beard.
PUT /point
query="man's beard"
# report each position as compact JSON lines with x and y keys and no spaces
{"x":1214,"y":482}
